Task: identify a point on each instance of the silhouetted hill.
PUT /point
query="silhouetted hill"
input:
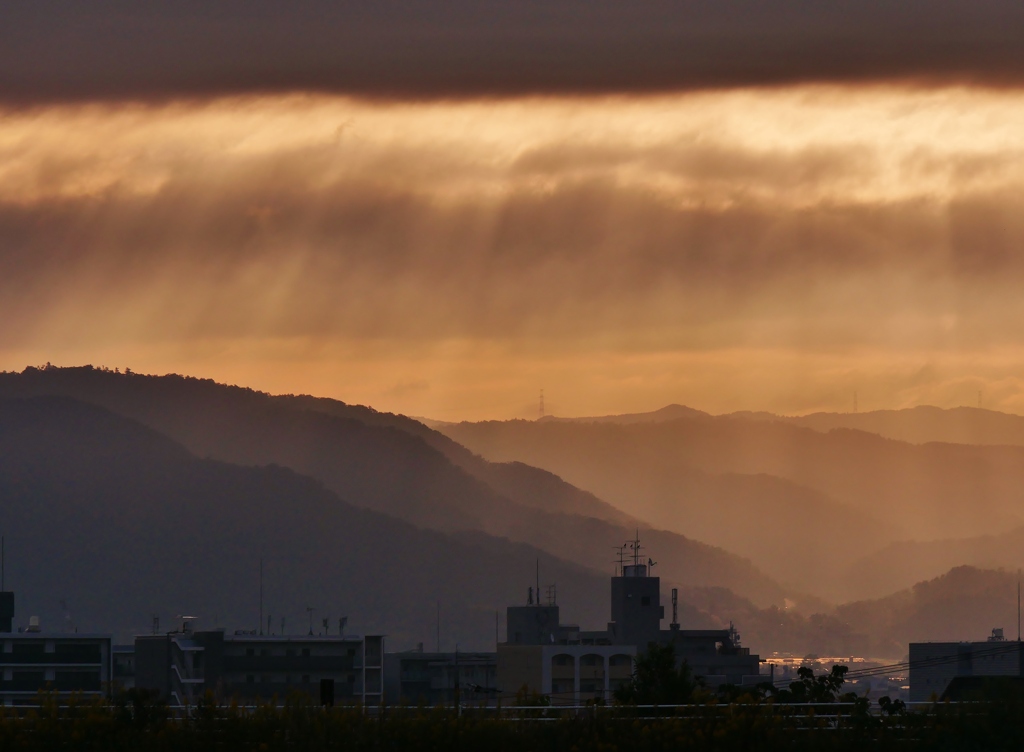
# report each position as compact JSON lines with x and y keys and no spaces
{"x":123,"y":523}
{"x":390,"y":464}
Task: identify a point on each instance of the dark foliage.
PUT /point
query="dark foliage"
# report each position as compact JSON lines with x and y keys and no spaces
{"x":135,"y":721}
{"x":658,"y":680}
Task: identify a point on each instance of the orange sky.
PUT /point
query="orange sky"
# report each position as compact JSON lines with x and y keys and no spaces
{"x":769,"y":249}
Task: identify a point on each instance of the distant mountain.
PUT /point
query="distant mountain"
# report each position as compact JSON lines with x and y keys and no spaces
{"x":758,"y":487}
{"x":964,"y":603}
{"x":521,"y":483}
{"x":906,"y":562}
{"x":123,"y":523}
{"x":394,"y":465}
{"x":919,"y":425}
{"x":915,"y":425}
{"x":669,"y":412}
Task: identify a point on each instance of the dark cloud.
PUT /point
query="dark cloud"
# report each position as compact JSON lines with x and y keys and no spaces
{"x":249,"y":255}
{"x":52,"y":50}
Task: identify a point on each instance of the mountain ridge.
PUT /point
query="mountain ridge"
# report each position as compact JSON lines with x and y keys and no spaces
{"x":381,"y":467}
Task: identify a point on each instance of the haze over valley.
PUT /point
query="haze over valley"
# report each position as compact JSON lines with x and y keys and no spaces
{"x":795,"y":535}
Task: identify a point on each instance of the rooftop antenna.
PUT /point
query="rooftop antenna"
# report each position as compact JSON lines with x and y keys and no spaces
{"x":620,"y":553}
{"x":282,"y":626}
{"x":540,"y":410}
{"x":635,"y":545}
{"x":309,"y":610}
{"x":261,"y":599}
{"x":156,"y":624}
{"x":552,"y":595}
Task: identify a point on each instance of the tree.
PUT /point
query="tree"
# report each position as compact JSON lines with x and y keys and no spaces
{"x":657,"y":680}
{"x":809,"y":688}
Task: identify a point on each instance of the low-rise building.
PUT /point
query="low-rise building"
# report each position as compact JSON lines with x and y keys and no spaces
{"x":572,"y":666}
{"x":182,"y":666}
{"x":33,"y":660}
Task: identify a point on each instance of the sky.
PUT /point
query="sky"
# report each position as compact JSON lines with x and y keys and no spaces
{"x":441,"y":209}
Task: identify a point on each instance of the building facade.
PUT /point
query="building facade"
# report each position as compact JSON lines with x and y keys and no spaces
{"x":183,"y":666}
{"x":67,"y":664}
{"x":416,"y":677}
{"x":34,"y":661}
{"x":933,"y":665}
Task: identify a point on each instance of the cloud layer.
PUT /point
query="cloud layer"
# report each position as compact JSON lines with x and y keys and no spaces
{"x":736,"y":250}
{"x":60,"y":50}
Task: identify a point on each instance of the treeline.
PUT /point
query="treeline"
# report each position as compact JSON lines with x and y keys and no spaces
{"x":134,"y":721}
